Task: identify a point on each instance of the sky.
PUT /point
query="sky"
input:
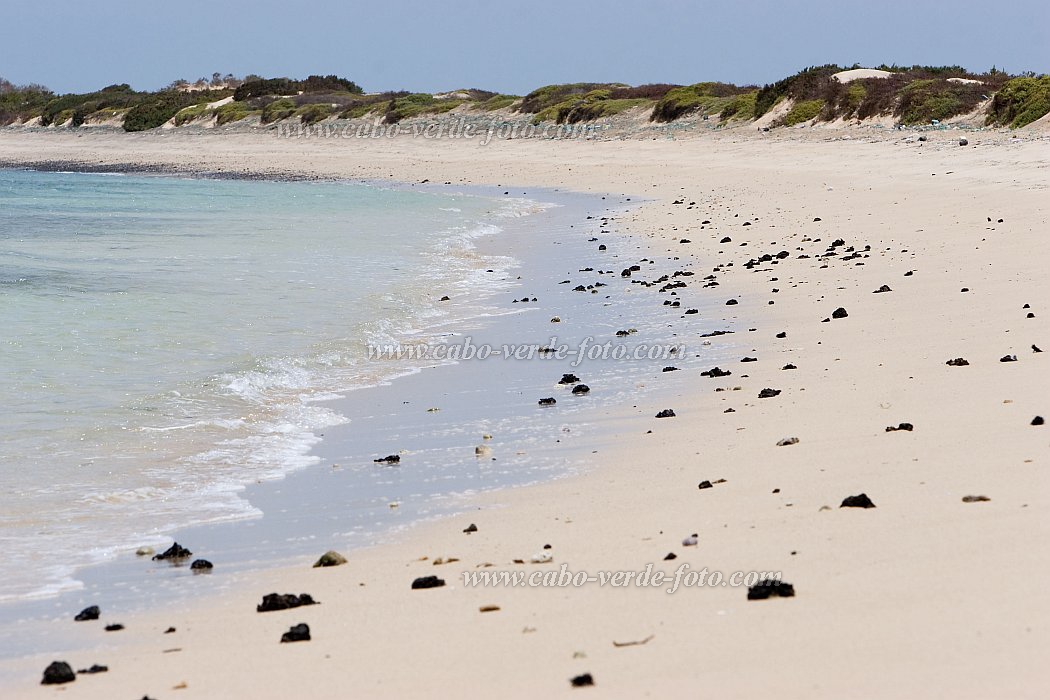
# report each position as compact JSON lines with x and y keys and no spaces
{"x":511,"y":47}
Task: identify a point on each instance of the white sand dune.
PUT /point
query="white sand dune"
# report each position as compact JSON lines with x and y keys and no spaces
{"x":847,"y":76}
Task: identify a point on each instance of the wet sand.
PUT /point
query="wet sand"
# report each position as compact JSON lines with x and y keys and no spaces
{"x":930,"y":592}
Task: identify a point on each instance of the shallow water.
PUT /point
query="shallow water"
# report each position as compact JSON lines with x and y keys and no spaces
{"x":167,"y":340}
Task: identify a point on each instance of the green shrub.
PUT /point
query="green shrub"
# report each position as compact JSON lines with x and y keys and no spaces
{"x":416,"y":104}
{"x":741,"y":107}
{"x":1021,"y":101}
{"x":552,"y":95}
{"x":188,"y":114}
{"x":707,"y":98}
{"x":803,"y":112}
{"x":153,"y":109}
{"x":287,"y":86}
{"x":277,"y":110}
{"x":935,"y":98}
{"x":311,"y":114}
{"x":497,"y":102}
{"x":231,"y":112}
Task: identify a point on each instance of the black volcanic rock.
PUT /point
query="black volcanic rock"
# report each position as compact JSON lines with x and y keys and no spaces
{"x":581,"y":389}
{"x":770,"y":588}
{"x":175,"y":552}
{"x":1038,"y":420}
{"x":860,"y":501}
{"x":1008,"y":358}
{"x":201,"y":565}
{"x":666,"y":413}
{"x":568,"y":379}
{"x":839,"y":313}
{"x":427,"y":582}
{"x":768,"y":393}
{"x":286,"y":601}
{"x":89,"y":613}
{"x":957,"y":362}
{"x":297,"y":633}
{"x":582,"y":680}
{"x":389,"y":459}
{"x":549,"y":401}
{"x":715,"y":372}
{"x":58,"y":672}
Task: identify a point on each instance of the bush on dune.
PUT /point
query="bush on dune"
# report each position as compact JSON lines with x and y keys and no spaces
{"x":1021,"y":101}
{"x":706,"y":98}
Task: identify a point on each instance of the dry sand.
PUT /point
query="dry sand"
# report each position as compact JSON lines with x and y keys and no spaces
{"x":923,"y":596}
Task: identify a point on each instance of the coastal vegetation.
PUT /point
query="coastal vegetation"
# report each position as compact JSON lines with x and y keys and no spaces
{"x":910,"y":96}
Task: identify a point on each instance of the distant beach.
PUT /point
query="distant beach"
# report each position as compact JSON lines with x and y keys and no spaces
{"x":841,"y":475}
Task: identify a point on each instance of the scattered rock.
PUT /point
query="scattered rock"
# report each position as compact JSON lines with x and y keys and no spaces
{"x":1038,"y":420}
{"x":789,"y":366}
{"x":57,"y":673}
{"x":489,"y":608}
{"x":839,"y":313}
{"x":582,"y":680}
{"x":883,"y":288}
{"x":427,"y":582}
{"x":95,"y":668}
{"x":115,"y":627}
{"x":963,"y":142}
{"x":330,"y":558}
{"x":580,"y":389}
{"x":975,"y":499}
{"x":861,"y":501}
{"x":175,"y":552}
{"x":286,"y":601}
{"x":749,"y":359}
{"x":1008,"y":358}
{"x":770,"y":588}
{"x":705,"y":485}
{"x":671,"y":556}
{"x":568,"y":379}
{"x":556,"y":319}
{"x":787,"y":441}
{"x":903,"y":426}
{"x":389,"y":459}
{"x":669,"y":369}
{"x":732,"y":302}
{"x":782,"y":334}
{"x":1036,"y":349}
{"x":768,"y":393}
{"x":691,"y":540}
{"x":957,"y":362}
{"x":470,"y":528}
{"x":666,"y":413}
{"x":297,"y":633}
{"x":549,"y":401}
{"x":201,"y":565}
{"x":444,"y":299}
{"x":89,"y":613}
{"x":715,"y":372}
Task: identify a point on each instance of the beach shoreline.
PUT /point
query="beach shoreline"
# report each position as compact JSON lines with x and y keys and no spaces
{"x":924,"y":591}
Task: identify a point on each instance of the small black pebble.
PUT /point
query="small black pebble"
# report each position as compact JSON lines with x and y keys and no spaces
{"x":671,"y":556}
{"x":669,"y":369}
{"x":770,"y":588}
{"x":582,"y":681}
{"x":581,"y":389}
{"x":297,"y":633}
{"x":957,"y":362}
{"x":666,"y":413}
{"x":839,"y":313}
{"x":115,"y":627}
{"x":174,"y":552}
{"x":782,"y":334}
{"x":470,"y":528}
{"x":705,"y":485}
{"x":789,"y":366}
{"x":861,"y":501}
{"x":1038,"y":420}
{"x":95,"y":668}
{"x":731,"y":302}
{"x":768,"y":393}
{"x":389,"y":459}
{"x":89,"y":613}
{"x":549,"y":401}
{"x":1008,"y":358}
{"x":202,"y":565}
{"x":170,"y":630}
{"x":58,"y":672}
{"x":427,"y":582}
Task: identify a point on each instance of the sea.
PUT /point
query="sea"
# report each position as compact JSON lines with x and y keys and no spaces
{"x":166,"y":340}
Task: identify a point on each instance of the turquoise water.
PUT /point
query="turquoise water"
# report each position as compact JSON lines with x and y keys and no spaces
{"x":165,"y":341}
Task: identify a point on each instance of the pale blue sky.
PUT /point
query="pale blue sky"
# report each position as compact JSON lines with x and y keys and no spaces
{"x":506,"y":46}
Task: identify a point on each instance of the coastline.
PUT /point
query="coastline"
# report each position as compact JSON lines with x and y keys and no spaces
{"x":890,"y":588}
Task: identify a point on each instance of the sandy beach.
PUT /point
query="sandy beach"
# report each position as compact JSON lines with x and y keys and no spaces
{"x":859,"y":263}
